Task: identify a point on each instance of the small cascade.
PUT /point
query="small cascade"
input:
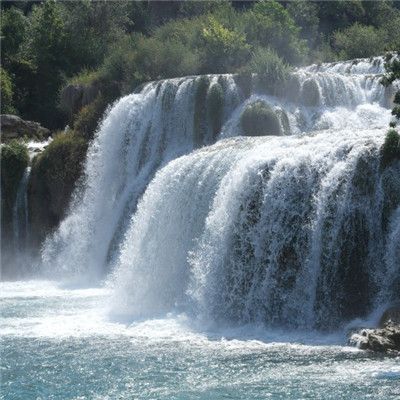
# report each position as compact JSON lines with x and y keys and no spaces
{"x":20,"y":222}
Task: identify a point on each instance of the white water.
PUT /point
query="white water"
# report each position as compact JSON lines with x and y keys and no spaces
{"x":257,"y":229}
{"x":60,"y":343}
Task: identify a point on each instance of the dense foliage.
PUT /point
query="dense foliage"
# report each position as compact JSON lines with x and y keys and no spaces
{"x":117,"y":45}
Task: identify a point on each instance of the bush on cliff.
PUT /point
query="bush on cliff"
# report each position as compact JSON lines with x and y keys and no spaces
{"x":53,"y":177}
{"x":258,"y":119}
{"x":88,"y":118}
{"x":14,"y":160}
{"x":390,"y":150}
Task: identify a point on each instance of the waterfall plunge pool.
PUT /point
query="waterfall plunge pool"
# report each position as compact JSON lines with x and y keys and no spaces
{"x":60,"y":343}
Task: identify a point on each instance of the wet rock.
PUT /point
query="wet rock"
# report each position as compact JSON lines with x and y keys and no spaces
{"x":13,"y":127}
{"x":386,"y":338}
{"x":382,"y":340}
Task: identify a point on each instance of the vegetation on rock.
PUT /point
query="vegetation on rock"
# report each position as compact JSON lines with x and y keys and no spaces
{"x":258,"y":119}
{"x":53,"y":177}
{"x":390,"y":150}
{"x":14,"y":160}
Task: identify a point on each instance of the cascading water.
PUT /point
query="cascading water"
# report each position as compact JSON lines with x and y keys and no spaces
{"x":141,"y":133}
{"x":297,"y":231}
{"x":20,"y":224}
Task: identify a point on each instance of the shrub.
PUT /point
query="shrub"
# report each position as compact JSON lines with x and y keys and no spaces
{"x":223,"y":49}
{"x":14,"y":160}
{"x":88,"y":118}
{"x":215,"y":107}
{"x":272,"y":72}
{"x":268,"y":23}
{"x":359,"y":41}
{"x":258,"y":119}
{"x":53,"y":177}
{"x":390,"y":150}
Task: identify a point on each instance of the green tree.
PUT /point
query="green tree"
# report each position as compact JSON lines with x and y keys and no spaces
{"x":47,"y":47}
{"x":6,"y":93}
{"x":13,"y":32}
{"x":223,"y":49}
{"x":269,"y":24}
{"x":359,"y":41}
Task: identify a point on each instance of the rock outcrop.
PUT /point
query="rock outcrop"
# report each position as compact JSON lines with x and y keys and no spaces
{"x":14,"y":127}
{"x":74,"y":97}
{"x":382,"y":340}
{"x":386,"y":338}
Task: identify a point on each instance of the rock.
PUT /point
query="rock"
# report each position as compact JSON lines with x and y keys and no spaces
{"x":382,"y":340}
{"x":386,"y":338}
{"x":13,"y":127}
{"x":74,"y":97}
{"x":71,"y":98}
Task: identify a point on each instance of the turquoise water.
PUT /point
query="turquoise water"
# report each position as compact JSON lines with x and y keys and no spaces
{"x":59,"y":343}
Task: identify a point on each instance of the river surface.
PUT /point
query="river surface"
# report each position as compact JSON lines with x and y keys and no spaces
{"x":63,"y":343}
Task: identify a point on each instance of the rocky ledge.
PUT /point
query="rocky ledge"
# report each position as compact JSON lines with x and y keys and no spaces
{"x":382,"y":340}
{"x":13,"y":127}
{"x":386,"y":338}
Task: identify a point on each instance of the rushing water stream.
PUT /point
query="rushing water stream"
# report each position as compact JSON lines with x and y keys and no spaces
{"x":197,"y":263}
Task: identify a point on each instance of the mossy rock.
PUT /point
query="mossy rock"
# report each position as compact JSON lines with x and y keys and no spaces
{"x":87,"y":120}
{"x":215,"y":107}
{"x":258,"y":119}
{"x":14,"y":160}
{"x":53,"y":177}
{"x":310,"y":95}
{"x":390,"y":150}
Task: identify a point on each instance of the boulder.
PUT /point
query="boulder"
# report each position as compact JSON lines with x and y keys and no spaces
{"x":13,"y":127}
{"x":386,"y":338}
{"x":381,"y":340}
{"x":74,"y":97}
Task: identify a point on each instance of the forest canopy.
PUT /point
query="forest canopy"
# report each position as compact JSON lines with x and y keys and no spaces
{"x":117,"y":45}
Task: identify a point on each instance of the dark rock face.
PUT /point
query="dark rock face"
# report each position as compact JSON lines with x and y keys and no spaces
{"x":13,"y":127}
{"x":74,"y":97}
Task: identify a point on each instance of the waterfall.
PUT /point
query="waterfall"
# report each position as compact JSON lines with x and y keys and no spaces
{"x":140,"y":133}
{"x":188,"y":214}
{"x":20,"y":222}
